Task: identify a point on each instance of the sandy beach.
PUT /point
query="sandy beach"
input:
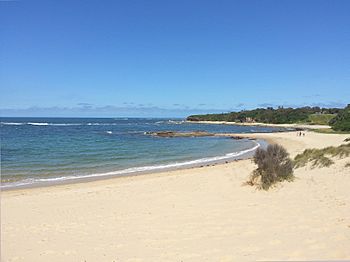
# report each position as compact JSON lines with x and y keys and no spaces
{"x":197,"y":214}
{"x":302,"y":126}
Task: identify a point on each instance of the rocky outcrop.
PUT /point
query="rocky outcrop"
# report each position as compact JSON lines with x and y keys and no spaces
{"x":179,"y":134}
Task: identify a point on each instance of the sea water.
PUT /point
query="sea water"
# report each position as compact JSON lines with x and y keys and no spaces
{"x":37,"y":150}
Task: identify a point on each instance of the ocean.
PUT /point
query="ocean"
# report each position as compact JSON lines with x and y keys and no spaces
{"x":47,"y":150}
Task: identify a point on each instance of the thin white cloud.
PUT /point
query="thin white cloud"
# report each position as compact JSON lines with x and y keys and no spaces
{"x":106,"y":111}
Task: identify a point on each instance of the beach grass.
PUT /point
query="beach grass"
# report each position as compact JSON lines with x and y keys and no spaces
{"x":321,"y":157}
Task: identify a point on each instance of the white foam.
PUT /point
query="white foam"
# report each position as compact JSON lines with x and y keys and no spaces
{"x":12,"y":123}
{"x":38,"y":124}
{"x":176,"y":122}
{"x":70,"y":124}
{"x":109,"y":132}
{"x":133,"y":170}
{"x":102,"y":124}
{"x":89,"y":124}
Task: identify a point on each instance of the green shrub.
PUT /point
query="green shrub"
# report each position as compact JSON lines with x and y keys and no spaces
{"x":274,"y":165}
{"x":342,"y":121}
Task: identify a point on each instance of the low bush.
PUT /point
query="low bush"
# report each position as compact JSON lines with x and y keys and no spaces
{"x":274,"y":165}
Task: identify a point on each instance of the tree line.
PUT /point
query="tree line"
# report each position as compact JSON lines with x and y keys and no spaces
{"x":338,"y":118}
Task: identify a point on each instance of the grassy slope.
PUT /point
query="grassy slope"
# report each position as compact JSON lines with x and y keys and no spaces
{"x":320,"y":119}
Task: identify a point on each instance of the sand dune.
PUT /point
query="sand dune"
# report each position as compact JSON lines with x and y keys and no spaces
{"x":198,"y":214}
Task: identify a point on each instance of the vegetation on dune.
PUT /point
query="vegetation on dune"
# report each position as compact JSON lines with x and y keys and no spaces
{"x":342,"y":121}
{"x":274,"y":165}
{"x":314,"y":156}
{"x":321,"y":157}
{"x":311,"y":115}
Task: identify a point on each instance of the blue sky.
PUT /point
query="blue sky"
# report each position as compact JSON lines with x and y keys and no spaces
{"x":171,"y":58}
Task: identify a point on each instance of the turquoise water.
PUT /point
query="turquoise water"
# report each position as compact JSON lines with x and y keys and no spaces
{"x":50,"y":149}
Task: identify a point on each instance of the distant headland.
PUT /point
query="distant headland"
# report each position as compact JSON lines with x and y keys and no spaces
{"x":338,"y":119}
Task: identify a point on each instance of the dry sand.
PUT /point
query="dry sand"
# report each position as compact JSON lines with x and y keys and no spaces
{"x":198,"y":214}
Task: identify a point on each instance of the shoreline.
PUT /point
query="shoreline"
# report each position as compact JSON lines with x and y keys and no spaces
{"x":137,"y":171}
{"x":263,"y":138}
{"x":155,"y":169}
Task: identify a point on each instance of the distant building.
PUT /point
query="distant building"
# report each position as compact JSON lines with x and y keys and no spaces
{"x":249,"y":120}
